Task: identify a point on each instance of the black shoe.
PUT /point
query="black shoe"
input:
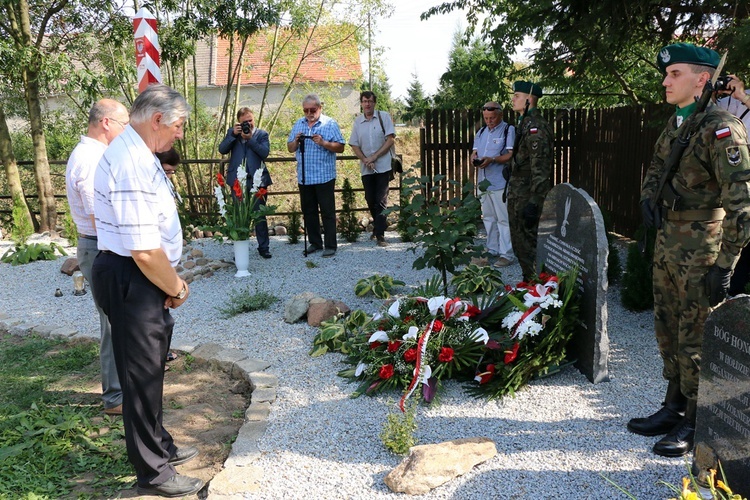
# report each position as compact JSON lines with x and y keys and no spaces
{"x":660,"y":422}
{"x":311,"y":249}
{"x":183,"y":455}
{"x":175,"y":486}
{"x":266,"y":254}
{"x":678,"y":442}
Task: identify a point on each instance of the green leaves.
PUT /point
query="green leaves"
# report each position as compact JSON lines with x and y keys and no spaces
{"x":23,"y":254}
{"x":380,"y":286}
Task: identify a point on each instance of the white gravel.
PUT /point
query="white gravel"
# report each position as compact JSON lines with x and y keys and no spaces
{"x":558,"y":438}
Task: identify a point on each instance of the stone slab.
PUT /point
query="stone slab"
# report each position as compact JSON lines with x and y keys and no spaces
{"x":250,"y":365}
{"x":265,"y":395}
{"x":723,"y":418}
{"x":571,"y":232}
{"x":219,"y":356}
{"x":258,"y":412}
{"x":245,"y":448}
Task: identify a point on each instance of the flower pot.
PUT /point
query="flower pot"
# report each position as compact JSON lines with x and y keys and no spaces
{"x":242,"y":258}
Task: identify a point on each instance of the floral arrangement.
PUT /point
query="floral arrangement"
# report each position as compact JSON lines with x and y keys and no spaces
{"x":240,"y":212}
{"x":417,"y":341}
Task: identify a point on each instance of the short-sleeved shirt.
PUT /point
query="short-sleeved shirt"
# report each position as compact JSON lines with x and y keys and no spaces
{"x":79,"y":182}
{"x":134,"y":201}
{"x":369,"y":136}
{"x":490,"y":143}
{"x":320,"y":163}
{"x":736,"y":107}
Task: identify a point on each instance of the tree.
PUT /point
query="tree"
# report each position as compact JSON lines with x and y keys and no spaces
{"x":475,"y":75}
{"x":416,"y":101}
{"x":604,"y":52}
{"x":11,"y":171}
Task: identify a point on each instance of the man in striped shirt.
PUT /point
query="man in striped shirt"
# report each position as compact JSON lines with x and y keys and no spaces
{"x":107,"y":119}
{"x":316,"y":172}
{"x":135,"y":282}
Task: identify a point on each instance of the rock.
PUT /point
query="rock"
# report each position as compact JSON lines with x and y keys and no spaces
{"x":189,"y":264}
{"x":364,"y":221}
{"x":179,"y":269}
{"x":280,"y":230}
{"x":187,"y":276}
{"x":321,"y":310}
{"x":428,"y":466}
{"x":196,"y":253}
{"x":201,"y":261}
{"x":296,"y":307}
{"x":70,"y":266}
{"x":197,"y":233}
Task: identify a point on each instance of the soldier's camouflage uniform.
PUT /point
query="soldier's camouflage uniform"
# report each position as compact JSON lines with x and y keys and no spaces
{"x":530,"y":181}
{"x":714,"y":172}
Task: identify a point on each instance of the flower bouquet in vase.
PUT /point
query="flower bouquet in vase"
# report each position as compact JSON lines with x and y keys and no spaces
{"x":240,"y":210}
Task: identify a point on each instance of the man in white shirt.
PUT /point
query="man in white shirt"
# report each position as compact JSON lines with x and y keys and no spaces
{"x":107,"y":119}
{"x":372,"y":138}
{"x":135,"y":282}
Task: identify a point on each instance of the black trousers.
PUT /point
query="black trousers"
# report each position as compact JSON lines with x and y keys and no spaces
{"x":376,"y":195}
{"x":141,"y":334}
{"x":261,"y":228}
{"x":741,"y":276}
{"x":314,"y":197}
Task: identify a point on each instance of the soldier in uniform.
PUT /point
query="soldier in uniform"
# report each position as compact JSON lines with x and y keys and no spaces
{"x":702,"y":216}
{"x":531,"y":174}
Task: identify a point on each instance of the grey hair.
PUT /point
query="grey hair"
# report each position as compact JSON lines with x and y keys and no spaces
{"x":102,"y":109}
{"x":312,"y":98}
{"x":159,"y":98}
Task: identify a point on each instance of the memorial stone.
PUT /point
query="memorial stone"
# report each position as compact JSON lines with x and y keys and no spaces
{"x":723,"y":418}
{"x":571,"y":233}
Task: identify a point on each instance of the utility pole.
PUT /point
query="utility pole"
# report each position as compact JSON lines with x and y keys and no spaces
{"x":369,"y":50}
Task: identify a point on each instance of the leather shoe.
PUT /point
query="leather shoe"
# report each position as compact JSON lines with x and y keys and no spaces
{"x":266,"y":254}
{"x":329,"y":252}
{"x":175,"y":486}
{"x":184,"y":454}
{"x":660,"y":422}
{"x":311,"y":249}
{"x":678,"y":442}
{"x":115,"y":410}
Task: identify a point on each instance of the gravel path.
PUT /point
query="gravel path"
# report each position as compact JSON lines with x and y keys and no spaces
{"x":557,"y":438}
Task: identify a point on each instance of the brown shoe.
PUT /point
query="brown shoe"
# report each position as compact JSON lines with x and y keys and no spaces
{"x":115,"y":410}
{"x":382,"y":242}
{"x":502,"y":262}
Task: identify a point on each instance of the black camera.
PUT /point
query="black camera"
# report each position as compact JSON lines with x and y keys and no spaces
{"x":476,"y":161}
{"x":247,"y":127}
{"x":722,"y":84}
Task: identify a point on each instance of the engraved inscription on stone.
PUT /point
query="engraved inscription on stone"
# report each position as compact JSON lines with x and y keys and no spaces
{"x":571,"y":233}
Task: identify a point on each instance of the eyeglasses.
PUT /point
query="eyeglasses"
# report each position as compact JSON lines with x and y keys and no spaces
{"x":122,"y":124}
{"x":490,"y":108}
{"x":309,"y":110}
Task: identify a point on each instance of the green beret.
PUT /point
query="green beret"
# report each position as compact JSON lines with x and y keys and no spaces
{"x":527,"y":88}
{"x":686,"y":53}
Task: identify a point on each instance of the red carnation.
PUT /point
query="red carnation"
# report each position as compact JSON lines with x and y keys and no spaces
{"x":446,"y":355}
{"x":408,"y":318}
{"x":437,"y":325}
{"x":472,"y":310}
{"x":511,"y":355}
{"x":386,"y":371}
{"x":393,"y":345}
{"x":237,"y":188}
{"x":410,"y":355}
{"x":261,"y":193}
{"x":220,"y":179}
{"x":375,"y":345}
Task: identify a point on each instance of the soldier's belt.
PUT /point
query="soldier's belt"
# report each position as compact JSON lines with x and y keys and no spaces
{"x":695,"y":215}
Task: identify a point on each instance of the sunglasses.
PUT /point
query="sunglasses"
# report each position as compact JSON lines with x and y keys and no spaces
{"x":309,"y":110}
{"x":490,"y":108}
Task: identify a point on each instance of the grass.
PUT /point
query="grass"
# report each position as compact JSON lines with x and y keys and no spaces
{"x":45,"y":413}
{"x":242,"y":301}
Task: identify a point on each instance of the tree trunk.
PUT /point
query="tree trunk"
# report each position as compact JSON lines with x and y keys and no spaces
{"x":11,"y":169}
{"x":47,"y":206}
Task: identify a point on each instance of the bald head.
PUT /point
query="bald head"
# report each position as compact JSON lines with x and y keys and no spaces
{"x":107,"y":119}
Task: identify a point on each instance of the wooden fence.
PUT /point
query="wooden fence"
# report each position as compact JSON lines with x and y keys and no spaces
{"x":603,"y":151}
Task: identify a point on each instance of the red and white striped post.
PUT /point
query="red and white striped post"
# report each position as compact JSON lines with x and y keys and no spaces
{"x":147,"y":49}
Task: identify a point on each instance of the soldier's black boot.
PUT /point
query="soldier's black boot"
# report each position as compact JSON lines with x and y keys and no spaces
{"x":664,"y":420}
{"x":681,"y":439}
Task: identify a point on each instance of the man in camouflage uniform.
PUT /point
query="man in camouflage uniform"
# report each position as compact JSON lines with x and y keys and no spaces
{"x":531,"y":174}
{"x":703,"y":220}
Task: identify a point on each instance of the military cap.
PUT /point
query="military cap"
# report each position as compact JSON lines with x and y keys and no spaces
{"x":527,"y":88}
{"x":686,"y":53}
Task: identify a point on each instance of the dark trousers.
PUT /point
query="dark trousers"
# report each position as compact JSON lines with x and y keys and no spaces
{"x":141,"y":334}
{"x":261,"y":228}
{"x":741,"y":275}
{"x":314,"y":197}
{"x":376,"y":195}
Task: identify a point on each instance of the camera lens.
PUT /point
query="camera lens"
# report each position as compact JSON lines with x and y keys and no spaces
{"x":245,"y":127}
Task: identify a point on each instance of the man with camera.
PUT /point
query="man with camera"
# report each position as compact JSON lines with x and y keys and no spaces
{"x":249,"y":146}
{"x":315,"y":139}
{"x":531,"y":174}
{"x":493,"y":148}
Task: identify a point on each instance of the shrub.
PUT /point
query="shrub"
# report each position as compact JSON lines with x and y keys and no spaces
{"x":637,"y":283}
{"x":348,"y":224}
{"x":295,"y":223}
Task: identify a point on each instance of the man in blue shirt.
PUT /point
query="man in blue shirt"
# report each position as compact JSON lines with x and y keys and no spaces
{"x":316,"y":172}
{"x":493,"y":148}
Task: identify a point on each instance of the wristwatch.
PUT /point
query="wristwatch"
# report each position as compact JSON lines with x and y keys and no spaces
{"x":182,"y":293}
